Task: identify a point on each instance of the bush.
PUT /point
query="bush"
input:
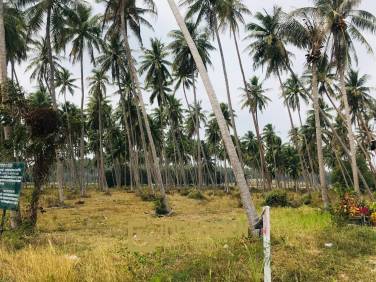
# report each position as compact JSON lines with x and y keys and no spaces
{"x":196,"y":195}
{"x":216,"y":193}
{"x":307,"y":199}
{"x":146,"y":195}
{"x":277,"y":198}
{"x":184,"y":191}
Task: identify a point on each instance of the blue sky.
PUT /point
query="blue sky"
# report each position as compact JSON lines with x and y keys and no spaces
{"x":275,"y":113}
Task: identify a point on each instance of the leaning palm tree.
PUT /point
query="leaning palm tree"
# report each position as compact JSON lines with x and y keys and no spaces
{"x":97,"y":85}
{"x":83,"y":30}
{"x":226,"y":137}
{"x":124,"y":15}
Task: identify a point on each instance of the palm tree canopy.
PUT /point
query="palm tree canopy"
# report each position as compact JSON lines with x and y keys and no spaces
{"x":82,"y":30}
{"x":232,"y":14}
{"x":183,"y":62}
{"x":255,"y":99}
{"x":156,"y":66}
{"x":65,"y":81}
{"x":293,"y":93}
{"x":358,"y":92}
{"x":134,"y":13}
{"x":268,"y":45}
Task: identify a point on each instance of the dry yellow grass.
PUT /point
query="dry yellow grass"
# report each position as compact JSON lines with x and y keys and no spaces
{"x":118,"y":238}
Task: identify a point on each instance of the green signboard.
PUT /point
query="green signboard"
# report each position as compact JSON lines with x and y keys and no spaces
{"x":10,"y":184}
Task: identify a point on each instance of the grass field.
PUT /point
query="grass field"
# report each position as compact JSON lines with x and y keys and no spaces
{"x":118,"y":238}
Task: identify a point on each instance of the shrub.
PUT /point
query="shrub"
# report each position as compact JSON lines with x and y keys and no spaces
{"x":216,"y":193}
{"x":146,"y":195}
{"x":307,"y":199}
{"x":276,"y":198}
{"x":196,"y":195}
{"x":184,"y":191}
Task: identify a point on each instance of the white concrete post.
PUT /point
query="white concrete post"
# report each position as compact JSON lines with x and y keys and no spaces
{"x":266,"y":241}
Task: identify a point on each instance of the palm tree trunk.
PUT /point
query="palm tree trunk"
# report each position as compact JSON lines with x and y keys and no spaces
{"x":202,"y":152}
{"x":197,"y":125}
{"x":248,"y":205}
{"x":145,"y":149}
{"x":136,"y":82}
{"x":128,"y":134}
{"x":233,"y":124}
{"x":82,"y":140}
{"x":339,"y":162}
{"x":350,"y":132}
{"x":308,"y":152}
{"x":101,"y":158}
{"x":72,"y":161}
{"x":334,"y":132}
{"x":136,"y":167}
{"x":3,"y":67}
{"x":264,"y":172}
{"x":294,"y":132}
{"x":320,"y":154}
{"x":51,"y":84}
{"x":365,"y":153}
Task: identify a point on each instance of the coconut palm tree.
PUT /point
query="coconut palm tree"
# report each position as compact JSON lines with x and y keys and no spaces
{"x":210,"y":11}
{"x":39,"y":63}
{"x":15,"y":36}
{"x":155,"y":65}
{"x":345,"y":24}
{"x":124,"y":15}
{"x":97,"y":85}
{"x":311,"y":35}
{"x":231,"y":14}
{"x":255,"y":100}
{"x":66,"y":83}
{"x":360,"y":101}
{"x":51,"y":14}
{"x":226,"y":137}
{"x":83,"y":31}
{"x":294,"y":95}
{"x":268,"y":46}
{"x":250,"y":145}
{"x":113,"y":59}
{"x":185,"y":67}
